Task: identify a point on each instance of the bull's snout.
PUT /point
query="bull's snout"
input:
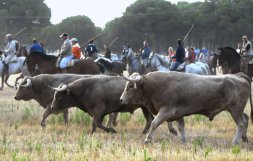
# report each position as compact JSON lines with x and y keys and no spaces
{"x":122,"y":100}
{"x":16,"y":98}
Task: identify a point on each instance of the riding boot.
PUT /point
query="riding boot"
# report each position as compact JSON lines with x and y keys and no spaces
{"x":6,"y":68}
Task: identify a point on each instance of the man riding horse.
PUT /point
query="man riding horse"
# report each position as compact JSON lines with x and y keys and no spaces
{"x":246,"y":54}
{"x":9,"y":51}
{"x":65,"y":54}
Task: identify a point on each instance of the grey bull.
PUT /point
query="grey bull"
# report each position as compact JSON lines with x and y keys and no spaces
{"x":38,"y":88}
{"x":98,"y":95}
{"x":212,"y":94}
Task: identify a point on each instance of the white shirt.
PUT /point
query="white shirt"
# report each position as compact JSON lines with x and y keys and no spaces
{"x":10,"y":48}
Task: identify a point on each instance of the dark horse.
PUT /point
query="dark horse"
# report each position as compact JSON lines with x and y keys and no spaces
{"x":47,"y":64}
{"x":229,"y":60}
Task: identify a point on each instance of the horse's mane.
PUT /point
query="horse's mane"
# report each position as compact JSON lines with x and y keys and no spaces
{"x":48,"y":57}
{"x":161,"y":60}
{"x":231,"y":53}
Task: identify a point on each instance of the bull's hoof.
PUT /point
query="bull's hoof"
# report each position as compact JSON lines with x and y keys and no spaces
{"x":112,"y":130}
{"x":1,"y":89}
{"x":148,"y":140}
{"x":115,"y":123}
{"x":43,"y":125}
{"x":173,"y":131}
{"x":245,"y":139}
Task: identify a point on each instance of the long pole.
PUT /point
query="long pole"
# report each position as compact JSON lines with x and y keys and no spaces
{"x":93,"y":38}
{"x":19,"y":32}
{"x":113,"y":41}
{"x":188,"y":32}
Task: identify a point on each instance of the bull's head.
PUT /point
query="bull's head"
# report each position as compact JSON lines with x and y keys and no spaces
{"x":133,"y":92}
{"x":25,"y":92}
{"x":62,"y":98}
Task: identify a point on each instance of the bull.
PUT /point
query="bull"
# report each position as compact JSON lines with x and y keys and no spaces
{"x":212,"y":94}
{"x":98,"y":96}
{"x":37,"y":88}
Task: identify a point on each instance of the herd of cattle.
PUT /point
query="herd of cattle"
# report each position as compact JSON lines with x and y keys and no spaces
{"x":161,"y":96}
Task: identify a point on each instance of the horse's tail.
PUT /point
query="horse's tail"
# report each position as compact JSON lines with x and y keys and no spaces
{"x":250,"y":95}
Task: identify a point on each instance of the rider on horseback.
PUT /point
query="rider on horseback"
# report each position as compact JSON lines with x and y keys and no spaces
{"x":246,"y":53}
{"x":9,"y":51}
{"x":65,"y":54}
{"x":145,"y":52}
{"x":91,"y":50}
{"x":36,"y":48}
{"x":180,"y":55}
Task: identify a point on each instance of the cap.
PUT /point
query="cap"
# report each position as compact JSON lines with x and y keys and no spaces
{"x":245,"y":37}
{"x":64,"y":34}
{"x":74,"y":39}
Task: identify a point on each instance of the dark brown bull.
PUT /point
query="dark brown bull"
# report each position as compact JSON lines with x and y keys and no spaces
{"x":190,"y":94}
{"x":37,"y":88}
{"x":98,"y":96}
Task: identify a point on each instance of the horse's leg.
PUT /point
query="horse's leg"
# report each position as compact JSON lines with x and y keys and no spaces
{"x":2,"y":82}
{"x":6,"y":81}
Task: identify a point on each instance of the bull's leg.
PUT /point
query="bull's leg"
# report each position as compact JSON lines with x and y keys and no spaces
{"x":171,"y":128}
{"x":244,"y":132}
{"x":46,"y":113}
{"x":181,"y":128}
{"x":162,"y":116}
{"x":112,"y":119}
{"x":97,"y":122}
{"x":65,"y":116}
{"x":241,"y":126}
{"x":149,"y":118}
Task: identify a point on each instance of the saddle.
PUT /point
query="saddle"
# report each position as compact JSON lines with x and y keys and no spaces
{"x":72,"y":62}
{"x":181,"y":67}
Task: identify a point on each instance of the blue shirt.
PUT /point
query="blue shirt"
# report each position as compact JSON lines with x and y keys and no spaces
{"x":180,"y":54}
{"x":37,"y":48}
{"x":145,"y":52}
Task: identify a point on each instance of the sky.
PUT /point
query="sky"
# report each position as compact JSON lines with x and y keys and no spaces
{"x":99,"y":11}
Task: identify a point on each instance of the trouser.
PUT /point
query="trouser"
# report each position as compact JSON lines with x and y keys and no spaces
{"x":244,"y":63}
{"x":65,"y":60}
{"x":58,"y":61}
{"x":6,"y":62}
{"x":174,"y":65}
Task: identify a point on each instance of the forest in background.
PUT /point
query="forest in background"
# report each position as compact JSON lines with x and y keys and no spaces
{"x":217,"y":23}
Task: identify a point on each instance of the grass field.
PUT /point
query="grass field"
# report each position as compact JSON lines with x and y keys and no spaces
{"x":22,"y":138}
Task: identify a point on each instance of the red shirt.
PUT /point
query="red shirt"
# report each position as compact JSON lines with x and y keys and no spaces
{"x":172,"y":54}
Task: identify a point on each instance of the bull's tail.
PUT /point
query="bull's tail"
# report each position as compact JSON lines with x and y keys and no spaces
{"x":250,"y":95}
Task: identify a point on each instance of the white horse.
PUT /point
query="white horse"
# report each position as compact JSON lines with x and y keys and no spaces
{"x":17,"y":66}
{"x":159,"y":63}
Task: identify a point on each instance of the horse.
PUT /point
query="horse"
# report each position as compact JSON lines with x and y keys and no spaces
{"x":15,"y":67}
{"x":229,"y":60}
{"x":212,"y":63}
{"x":47,"y":64}
{"x":159,"y":63}
{"x":110,"y":67}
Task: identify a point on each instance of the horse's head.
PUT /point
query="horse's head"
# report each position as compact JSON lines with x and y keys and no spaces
{"x":31,"y":64}
{"x":21,"y":50}
{"x":229,"y":58}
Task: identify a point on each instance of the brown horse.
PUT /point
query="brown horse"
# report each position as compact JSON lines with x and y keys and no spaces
{"x":47,"y":64}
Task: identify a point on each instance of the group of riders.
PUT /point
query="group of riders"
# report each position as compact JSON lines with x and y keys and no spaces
{"x":71,"y":49}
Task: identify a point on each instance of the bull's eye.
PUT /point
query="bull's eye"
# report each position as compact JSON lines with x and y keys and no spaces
{"x":131,"y":86}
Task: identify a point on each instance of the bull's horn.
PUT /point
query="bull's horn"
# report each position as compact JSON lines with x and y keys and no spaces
{"x":60,"y":89}
{"x":136,"y":80}
{"x":28,"y":83}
